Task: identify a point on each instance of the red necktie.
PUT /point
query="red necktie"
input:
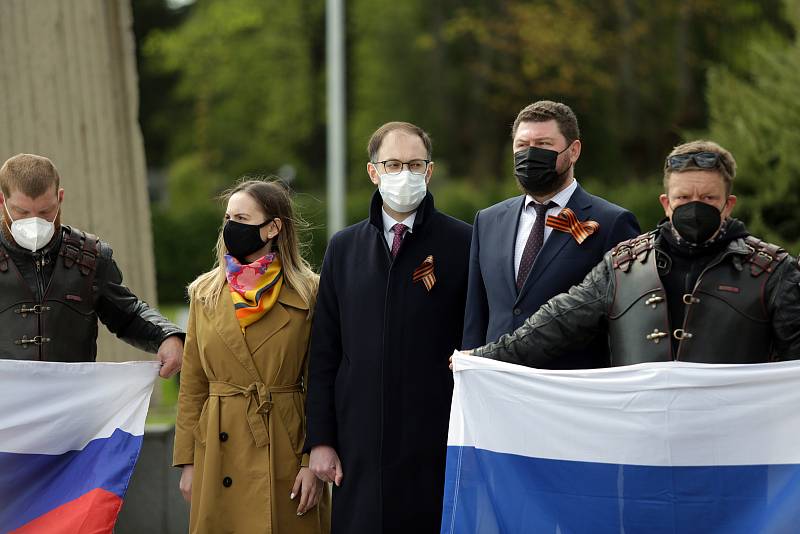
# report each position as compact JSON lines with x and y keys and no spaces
{"x":399,"y":229}
{"x":534,"y":243}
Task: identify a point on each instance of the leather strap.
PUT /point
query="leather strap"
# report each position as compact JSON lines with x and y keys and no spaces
{"x":637,"y":248}
{"x":80,"y":247}
{"x":764,"y":257}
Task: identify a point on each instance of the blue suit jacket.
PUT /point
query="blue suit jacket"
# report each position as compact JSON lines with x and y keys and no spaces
{"x":495,"y":307}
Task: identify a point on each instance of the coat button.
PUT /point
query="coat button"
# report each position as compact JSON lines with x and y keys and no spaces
{"x":223,"y":436}
{"x":227,"y":481}
{"x":517,"y":311}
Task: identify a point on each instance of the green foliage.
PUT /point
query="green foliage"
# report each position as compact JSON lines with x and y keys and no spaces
{"x":640,"y":197}
{"x":250,"y":70}
{"x":183,"y":247}
{"x":755,"y":114}
{"x":235,"y":87}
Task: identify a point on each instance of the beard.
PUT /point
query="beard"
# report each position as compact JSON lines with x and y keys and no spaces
{"x":551,"y":188}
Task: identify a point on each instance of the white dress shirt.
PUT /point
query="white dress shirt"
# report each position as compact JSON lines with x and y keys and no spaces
{"x":528,"y":217}
{"x":388,"y":222}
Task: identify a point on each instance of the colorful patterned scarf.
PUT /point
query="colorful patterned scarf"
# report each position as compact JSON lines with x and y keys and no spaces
{"x":254,"y":287}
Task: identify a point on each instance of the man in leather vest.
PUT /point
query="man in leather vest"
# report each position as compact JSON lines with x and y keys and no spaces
{"x":698,"y":288}
{"x":57,"y":281}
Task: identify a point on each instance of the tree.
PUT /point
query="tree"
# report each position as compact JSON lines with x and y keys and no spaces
{"x":755,"y":114}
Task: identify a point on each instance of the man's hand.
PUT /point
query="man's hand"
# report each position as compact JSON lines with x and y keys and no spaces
{"x":170,"y":353}
{"x":309,"y":488}
{"x":185,"y":484}
{"x":461,"y":352}
{"x":324,"y":462}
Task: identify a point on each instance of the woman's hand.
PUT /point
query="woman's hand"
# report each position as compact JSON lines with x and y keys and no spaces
{"x":309,"y":488}
{"x":186,"y":482}
{"x":325,"y":463}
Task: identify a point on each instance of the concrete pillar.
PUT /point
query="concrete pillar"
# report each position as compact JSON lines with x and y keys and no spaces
{"x":68,"y":91}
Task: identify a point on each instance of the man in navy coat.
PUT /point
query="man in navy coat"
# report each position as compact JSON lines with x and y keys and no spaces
{"x":389,"y":314}
{"x":532,"y":247}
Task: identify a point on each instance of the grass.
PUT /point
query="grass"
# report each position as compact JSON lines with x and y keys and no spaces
{"x":164,"y":411}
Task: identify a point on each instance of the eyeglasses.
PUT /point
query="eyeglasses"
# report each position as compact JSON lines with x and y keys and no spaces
{"x":395,"y":166}
{"x":704,"y":160}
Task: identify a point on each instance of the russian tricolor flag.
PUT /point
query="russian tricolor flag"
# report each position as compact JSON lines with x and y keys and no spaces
{"x":70,"y":435}
{"x":651,"y":448}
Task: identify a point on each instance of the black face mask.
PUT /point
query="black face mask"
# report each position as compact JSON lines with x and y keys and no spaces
{"x":696,"y":222}
{"x":241,"y":239}
{"x":535,"y":169}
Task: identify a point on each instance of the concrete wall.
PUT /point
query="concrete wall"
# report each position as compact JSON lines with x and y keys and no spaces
{"x":153,"y":503}
{"x":68,"y":91}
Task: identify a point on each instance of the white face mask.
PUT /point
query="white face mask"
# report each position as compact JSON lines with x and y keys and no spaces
{"x":32,"y":233}
{"x":403,"y":192}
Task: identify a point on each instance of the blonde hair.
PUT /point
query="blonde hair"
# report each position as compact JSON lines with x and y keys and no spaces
{"x":275,"y":201}
{"x":727,"y":169}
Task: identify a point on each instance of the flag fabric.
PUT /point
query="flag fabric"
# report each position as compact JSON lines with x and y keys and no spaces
{"x":652,"y":448}
{"x":70,"y":435}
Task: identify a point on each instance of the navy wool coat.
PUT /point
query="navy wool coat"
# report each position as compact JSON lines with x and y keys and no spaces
{"x":379,"y":386}
{"x":495,"y":307}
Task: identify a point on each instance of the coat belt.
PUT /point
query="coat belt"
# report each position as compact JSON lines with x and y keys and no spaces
{"x":259,"y":403}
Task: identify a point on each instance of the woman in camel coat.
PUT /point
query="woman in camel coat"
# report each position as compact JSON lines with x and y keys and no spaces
{"x":240,"y":427}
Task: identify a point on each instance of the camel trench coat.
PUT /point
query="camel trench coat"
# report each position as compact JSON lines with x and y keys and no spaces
{"x":241,"y":419}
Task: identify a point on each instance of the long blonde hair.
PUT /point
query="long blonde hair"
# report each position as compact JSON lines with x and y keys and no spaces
{"x":275,"y":201}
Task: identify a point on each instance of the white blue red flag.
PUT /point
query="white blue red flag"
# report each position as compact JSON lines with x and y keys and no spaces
{"x":651,"y":448}
{"x":70,"y":435}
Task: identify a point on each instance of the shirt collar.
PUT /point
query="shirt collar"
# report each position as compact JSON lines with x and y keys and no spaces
{"x":388,"y":221}
{"x":561,"y":198}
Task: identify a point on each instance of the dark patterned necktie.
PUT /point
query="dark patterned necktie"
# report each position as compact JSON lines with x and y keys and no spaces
{"x":399,"y":229}
{"x":534,"y":243}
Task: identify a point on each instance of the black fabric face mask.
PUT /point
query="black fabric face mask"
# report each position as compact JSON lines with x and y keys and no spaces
{"x":535,"y":169}
{"x":696,"y":222}
{"x":241,"y":239}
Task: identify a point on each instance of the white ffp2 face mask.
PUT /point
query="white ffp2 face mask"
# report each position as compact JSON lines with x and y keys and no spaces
{"x":403,"y":192}
{"x":32,"y":233}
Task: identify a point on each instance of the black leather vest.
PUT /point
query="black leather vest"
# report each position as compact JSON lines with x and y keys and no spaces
{"x":726,"y":317}
{"x":62,"y":327}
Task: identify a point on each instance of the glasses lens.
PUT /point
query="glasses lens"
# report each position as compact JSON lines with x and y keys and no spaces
{"x":417,"y":166}
{"x":678,"y":162}
{"x":706,"y":160}
{"x":393,"y":166}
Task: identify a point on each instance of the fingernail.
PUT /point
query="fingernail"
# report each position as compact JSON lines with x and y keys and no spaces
{"x":291,"y":496}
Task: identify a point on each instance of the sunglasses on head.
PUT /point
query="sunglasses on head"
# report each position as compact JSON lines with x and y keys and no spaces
{"x":703,"y":160}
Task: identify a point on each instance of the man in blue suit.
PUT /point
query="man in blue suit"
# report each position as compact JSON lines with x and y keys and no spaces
{"x":532,"y":247}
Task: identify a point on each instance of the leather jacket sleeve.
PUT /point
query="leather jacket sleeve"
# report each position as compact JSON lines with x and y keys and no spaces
{"x":783,"y":302}
{"x":567,"y":321}
{"x":123,"y":313}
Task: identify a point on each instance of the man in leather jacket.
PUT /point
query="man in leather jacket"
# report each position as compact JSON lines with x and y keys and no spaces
{"x":698,"y":288}
{"x":56,"y":281}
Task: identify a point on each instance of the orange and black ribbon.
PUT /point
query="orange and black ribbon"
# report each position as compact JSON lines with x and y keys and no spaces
{"x":566,"y":221}
{"x":425,"y":273}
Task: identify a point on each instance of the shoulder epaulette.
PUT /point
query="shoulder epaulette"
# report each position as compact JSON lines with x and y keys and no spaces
{"x":80,"y":247}
{"x":638,"y":248}
{"x":763,"y":257}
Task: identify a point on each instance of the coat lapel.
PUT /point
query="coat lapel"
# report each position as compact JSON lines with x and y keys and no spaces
{"x":227,"y":326}
{"x":579,"y":203}
{"x":262,"y":330}
{"x":508,"y":224}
